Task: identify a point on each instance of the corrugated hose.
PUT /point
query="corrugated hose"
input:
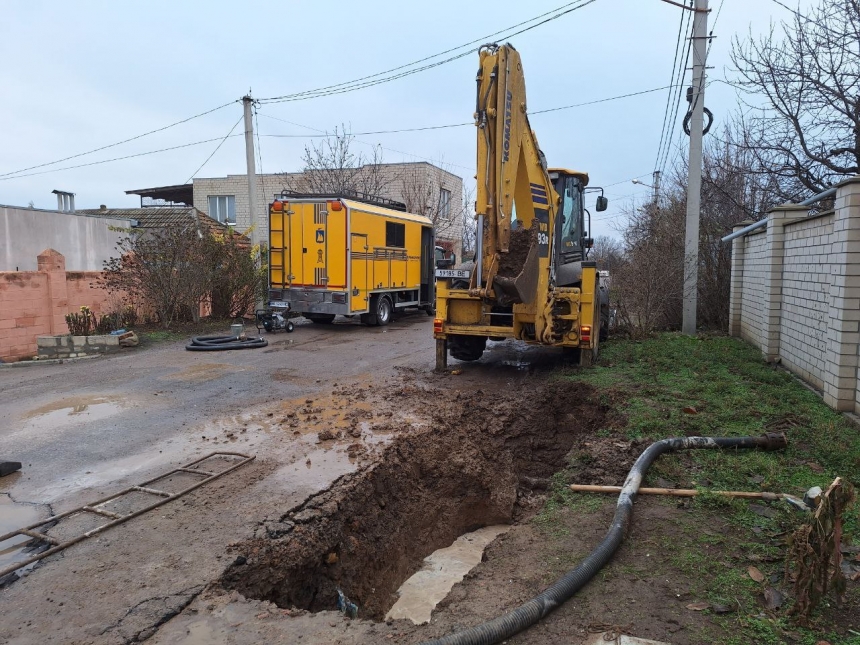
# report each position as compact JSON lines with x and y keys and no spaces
{"x":531,"y":612}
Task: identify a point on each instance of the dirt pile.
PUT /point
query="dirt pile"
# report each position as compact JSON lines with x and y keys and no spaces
{"x":511,"y":263}
{"x":371,"y":531}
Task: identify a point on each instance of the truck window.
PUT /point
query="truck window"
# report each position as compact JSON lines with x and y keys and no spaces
{"x":395,"y":234}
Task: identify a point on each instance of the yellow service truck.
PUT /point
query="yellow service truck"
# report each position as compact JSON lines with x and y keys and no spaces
{"x":344,"y":255}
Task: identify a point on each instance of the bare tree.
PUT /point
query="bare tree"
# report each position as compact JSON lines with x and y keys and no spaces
{"x":608,"y":252}
{"x":331,"y":167}
{"x":808,"y":76}
{"x":648,"y":285}
{"x":470,"y":232}
{"x":166,"y":269}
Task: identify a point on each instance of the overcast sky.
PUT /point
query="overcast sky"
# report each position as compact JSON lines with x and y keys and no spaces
{"x":84,"y":74}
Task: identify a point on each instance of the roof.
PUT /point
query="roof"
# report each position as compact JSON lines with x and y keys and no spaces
{"x":582,"y":176}
{"x":161,"y":217}
{"x":388,"y":212}
{"x":178,"y":194}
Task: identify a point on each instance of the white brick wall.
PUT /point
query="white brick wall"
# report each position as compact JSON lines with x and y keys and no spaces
{"x":796,"y":294}
{"x":397,"y":179}
{"x":806,"y":297}
{"x":752,"y":292}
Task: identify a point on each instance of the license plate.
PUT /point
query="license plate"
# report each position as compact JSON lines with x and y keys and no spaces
{"x":279,"y":304}
{"x":453,"y":273}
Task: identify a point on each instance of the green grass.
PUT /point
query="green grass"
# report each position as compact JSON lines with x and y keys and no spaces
{"x":648,"y":384}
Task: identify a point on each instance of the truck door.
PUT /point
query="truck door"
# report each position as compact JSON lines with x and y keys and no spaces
{"x":428,"y":255}
{"x":360,"y":268}
{"x":310,"y":245}
{"x":315,"y":245}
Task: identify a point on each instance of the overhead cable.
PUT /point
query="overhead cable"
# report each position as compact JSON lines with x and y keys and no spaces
{"x":118,"y":143}
{"x":670,"y":140}
{"x":218,"y":147}
{"x":669,"y":93}
{"x":404,"y":70}
{"x":103,"y":161}
{"x":323,"y":133}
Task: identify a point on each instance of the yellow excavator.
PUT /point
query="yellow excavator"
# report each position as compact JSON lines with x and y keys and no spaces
{"x":531,"y":278}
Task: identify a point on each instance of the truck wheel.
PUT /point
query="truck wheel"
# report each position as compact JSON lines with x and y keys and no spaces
{"x":383,"y":310}
{"x":431,"y":311}
{"x":467,"y":348}
{"x":290,"y":327}
{"x":320,"y":319}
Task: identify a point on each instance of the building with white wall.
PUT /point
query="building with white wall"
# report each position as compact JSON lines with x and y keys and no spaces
{"x":423,"y":187}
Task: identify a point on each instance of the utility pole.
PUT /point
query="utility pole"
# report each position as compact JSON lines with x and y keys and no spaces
{"x":247,"y":103}
{"x":694,"y":179}
{"x":656,"y":186}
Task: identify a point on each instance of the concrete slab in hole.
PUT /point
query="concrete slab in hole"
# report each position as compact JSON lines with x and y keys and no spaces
{"x":607,"y":639}
{"x":442,"y":569}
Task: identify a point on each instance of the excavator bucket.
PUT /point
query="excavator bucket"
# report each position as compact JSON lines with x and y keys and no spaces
{"x":521,"y":287}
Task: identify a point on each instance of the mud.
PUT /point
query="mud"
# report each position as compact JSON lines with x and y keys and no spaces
{"x":372,"y":530}
{"x":511,"y":263}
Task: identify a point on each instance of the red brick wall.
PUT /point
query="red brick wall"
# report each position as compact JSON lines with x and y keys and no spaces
{"x":35,"y":303}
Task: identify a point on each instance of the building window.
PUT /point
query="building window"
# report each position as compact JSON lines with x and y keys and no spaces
{"x":395,"y":234}
{"x":223,"y":208}
{"x":445,"y":204}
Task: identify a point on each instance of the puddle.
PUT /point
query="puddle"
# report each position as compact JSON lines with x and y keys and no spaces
{"x":44,"y":422}
{"x":311,"y":472}
{"x":14,"y":516}
{"x":420,"y":594}
{"x":77,"y":409}
{"x":518,"y":365}
{"x":118,"y":473}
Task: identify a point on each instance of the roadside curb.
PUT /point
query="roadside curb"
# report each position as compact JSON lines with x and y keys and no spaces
{"x":47,"y":361}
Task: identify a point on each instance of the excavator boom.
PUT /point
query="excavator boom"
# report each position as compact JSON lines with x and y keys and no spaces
{"x":514,"y":190}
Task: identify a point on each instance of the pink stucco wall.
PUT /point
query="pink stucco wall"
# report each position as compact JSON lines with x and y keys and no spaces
{"x":35,"y":303}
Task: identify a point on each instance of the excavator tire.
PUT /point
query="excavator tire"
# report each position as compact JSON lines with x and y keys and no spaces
{"x":467,"y":348}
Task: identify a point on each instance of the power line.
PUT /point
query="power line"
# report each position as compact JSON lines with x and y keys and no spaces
{"x":611,"y":98}
{"x":113,"y":145}
{"x":218,"y":147}
{"x":388,"y":75}
{"x":364,"y":134}
{"x":323,"y":133}
{"x":140,"y":154}
{"x":257,"y":132}
{"x":669,"y":93}
{"x":681,"y":73}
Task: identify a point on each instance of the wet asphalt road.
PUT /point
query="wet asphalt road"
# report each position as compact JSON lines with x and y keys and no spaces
{"x":85,"y":429}
{"x":90,"y":422}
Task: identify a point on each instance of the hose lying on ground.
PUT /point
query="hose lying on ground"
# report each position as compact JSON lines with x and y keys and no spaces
{"x":217,"y":343}
{"x":528,"y":614}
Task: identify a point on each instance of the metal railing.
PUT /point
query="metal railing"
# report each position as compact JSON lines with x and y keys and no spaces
{"x":763,"y":222}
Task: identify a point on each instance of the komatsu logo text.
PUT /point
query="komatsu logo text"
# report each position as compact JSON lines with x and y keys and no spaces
{"x":507,"y":144}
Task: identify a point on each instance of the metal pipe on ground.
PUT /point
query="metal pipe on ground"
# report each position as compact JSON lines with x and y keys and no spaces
{"x":529,"y":613}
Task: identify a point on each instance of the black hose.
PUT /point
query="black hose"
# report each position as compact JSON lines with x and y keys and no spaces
{"x":218,"y":343}
{"x":563,"y":589}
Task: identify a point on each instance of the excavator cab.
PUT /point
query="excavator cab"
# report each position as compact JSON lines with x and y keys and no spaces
{"x":571,"y":234}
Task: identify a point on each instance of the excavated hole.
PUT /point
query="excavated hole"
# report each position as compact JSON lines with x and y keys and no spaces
{"x":371,"y":531}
